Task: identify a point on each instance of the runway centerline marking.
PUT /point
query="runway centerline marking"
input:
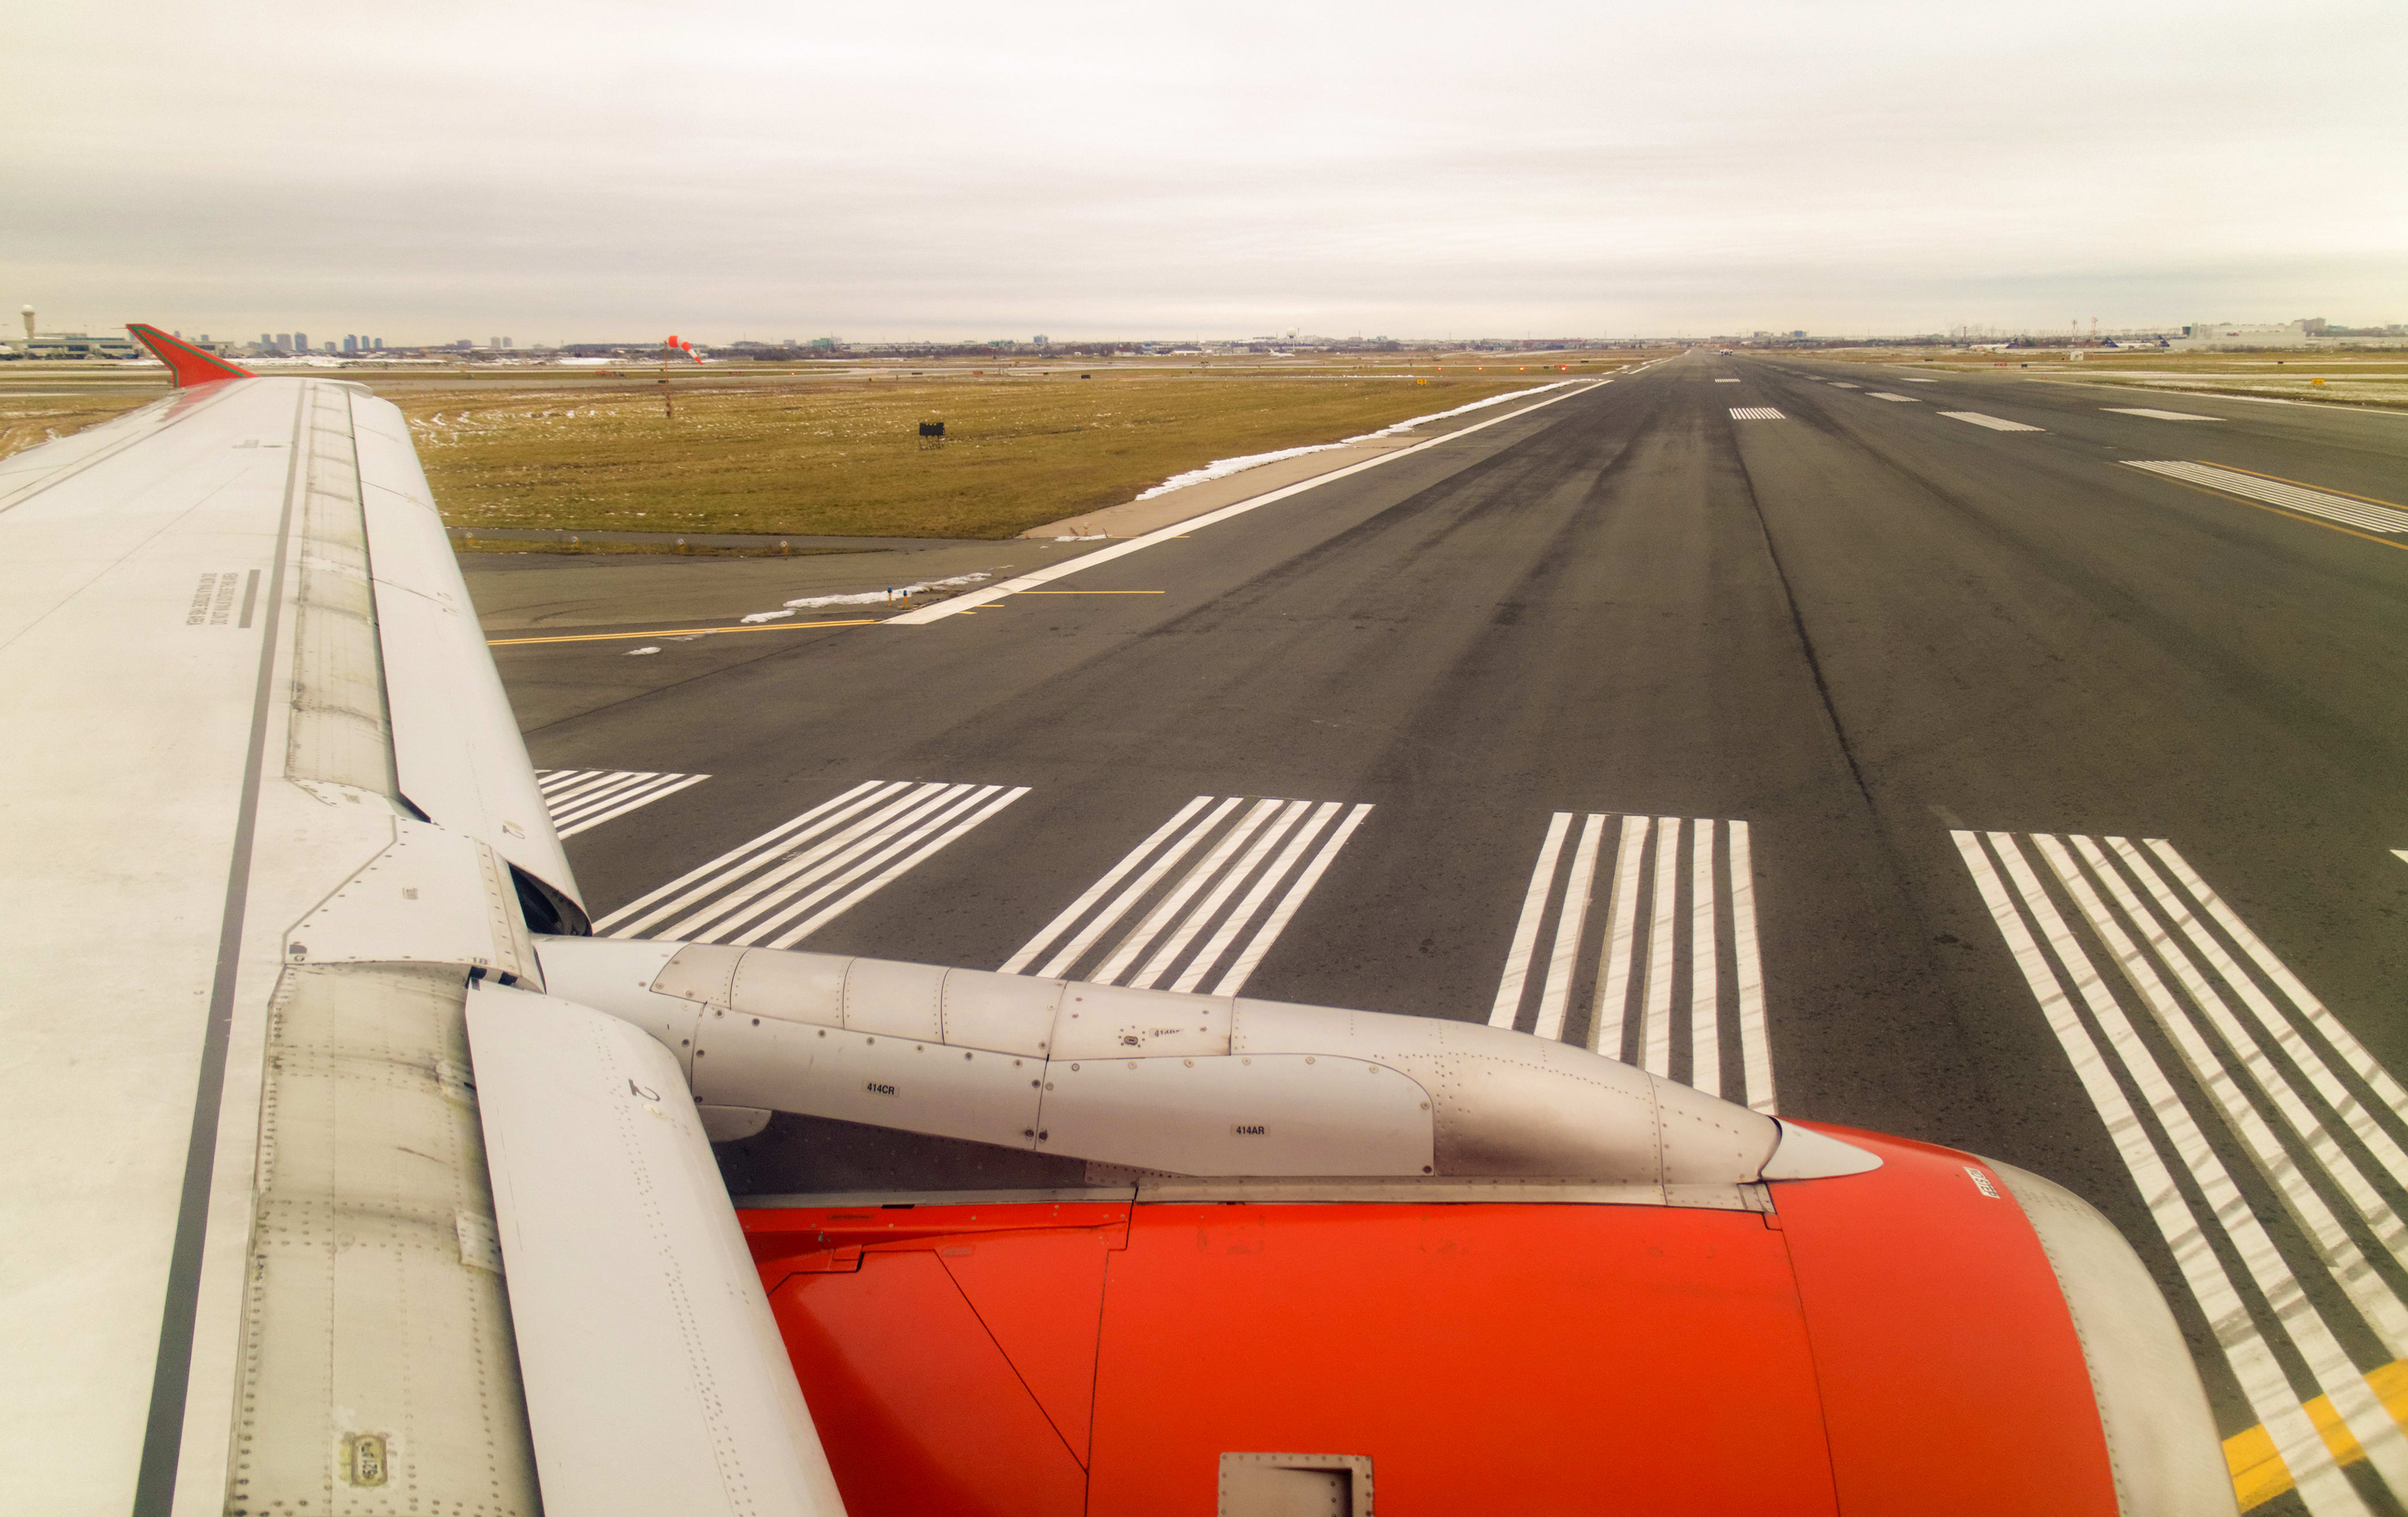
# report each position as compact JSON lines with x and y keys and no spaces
{"x":582,"y":798}
{"x":1885,"y":395}
{"x":1996,"y":424}
{"x":1023,"y":583}
{"x":674,"y":632}
{"x":1646,"y":963}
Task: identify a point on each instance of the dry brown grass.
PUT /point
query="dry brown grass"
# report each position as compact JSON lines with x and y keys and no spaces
{"x":846,"y":458}
{"x":808,"y":455}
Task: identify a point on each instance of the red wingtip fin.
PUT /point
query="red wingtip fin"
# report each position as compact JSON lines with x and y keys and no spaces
{"x":189,"y":363}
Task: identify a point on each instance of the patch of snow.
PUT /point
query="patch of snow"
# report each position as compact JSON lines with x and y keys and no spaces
{"x":1222,"y":467}
{"x":638,"y":653}
{"x":874,"y":597}
{"x":767,"y":615}
{"x":1090,"y":537}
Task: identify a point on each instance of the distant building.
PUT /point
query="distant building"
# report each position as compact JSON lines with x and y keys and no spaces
{"x":350,"y":343}
{"x":300,"y":342}
{"x":380,"y":344}
{"x":2211,"y":335}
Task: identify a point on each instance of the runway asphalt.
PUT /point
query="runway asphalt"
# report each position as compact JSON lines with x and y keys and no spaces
{"x":1925,"y":690}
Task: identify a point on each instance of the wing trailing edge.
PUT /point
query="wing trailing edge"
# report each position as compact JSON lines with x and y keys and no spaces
{"x":188,"y":364}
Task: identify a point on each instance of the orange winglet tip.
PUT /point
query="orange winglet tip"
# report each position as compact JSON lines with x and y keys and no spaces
{"x":189,"y":363}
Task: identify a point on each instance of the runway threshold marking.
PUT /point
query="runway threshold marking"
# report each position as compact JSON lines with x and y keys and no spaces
{"x":2288,"y":498}
{"x":858,"y":844}
{"x":582,"y":799}
{"x":1996,"y":424}
{"x":676,"y":631}
{"x":1025,"y":583}
{"x":1630,"y":959}
{"x":2141,"y":906}
{"x":1274,"y":850}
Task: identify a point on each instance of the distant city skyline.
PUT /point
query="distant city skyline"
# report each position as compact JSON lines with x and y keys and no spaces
{"x":1594,"y":169}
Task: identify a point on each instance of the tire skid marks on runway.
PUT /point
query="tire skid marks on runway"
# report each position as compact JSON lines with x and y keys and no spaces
{"x":1197,"y":904}
{"x":1757,"y":413}
{"x":798,"y":876}
{"x":2372,"y":516}
{"x":2271,"y":1079}
{"x":579,"y":799}
{"x":1643,"y":963}
{"x":1996,"y":424}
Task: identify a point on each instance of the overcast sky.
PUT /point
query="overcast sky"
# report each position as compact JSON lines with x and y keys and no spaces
{"x":426,"y":171}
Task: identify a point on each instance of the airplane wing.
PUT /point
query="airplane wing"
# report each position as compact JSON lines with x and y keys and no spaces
{"x":349,"y":1174}
{"x":269,"y":816}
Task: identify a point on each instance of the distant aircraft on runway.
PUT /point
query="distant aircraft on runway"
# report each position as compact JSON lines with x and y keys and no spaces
{"x":348,"y":1173}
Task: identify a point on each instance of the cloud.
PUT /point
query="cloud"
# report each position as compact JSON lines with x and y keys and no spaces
{"x":604,"y":172}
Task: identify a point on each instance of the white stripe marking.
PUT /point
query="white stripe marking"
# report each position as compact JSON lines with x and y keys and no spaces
{"x":1570,"y":924}
{"x":1885,"y":395}
{"x":1283,"y":817}
{"x":2335,"y":1375}
{"x":798,"y":871}
{"x":1613,"y":985}
{"x":580,"y":800}
{"x":1705,"y":1035}
{"x":1235,"y":980}
{"x":1996,"y":424}
{"x":1298,"y":841}
{"x":1525,"y":928}
{"x":1656,"y":1021}
{"x":2341,"y":1257}
{"x":2161,"y":415}
{"x":894,"y":871}
{"x":1078,"y":909}
{"x":851,"y":799}
{"x":898,"y":830}
{"x":1166,"y":913}
{"x":1757,"y":413}
{"x":2322,"y":1486}
{"x":1111,"y":915}
{"x":2339,"y":508}
{"x":2352,"y":1052}
{"x":1179,"y":529}
{"x":2294,"y":1046}
{"x":1753,"y":1048}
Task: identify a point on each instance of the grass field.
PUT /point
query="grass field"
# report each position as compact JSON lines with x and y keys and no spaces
{"x":847,"y":459}
{"x":811,"y":455}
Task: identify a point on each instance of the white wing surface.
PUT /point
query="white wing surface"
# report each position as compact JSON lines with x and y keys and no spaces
{"x":268,"y":817}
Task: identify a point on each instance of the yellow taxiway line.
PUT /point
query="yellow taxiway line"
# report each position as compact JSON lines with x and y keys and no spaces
{"x":2258,"y":1474}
